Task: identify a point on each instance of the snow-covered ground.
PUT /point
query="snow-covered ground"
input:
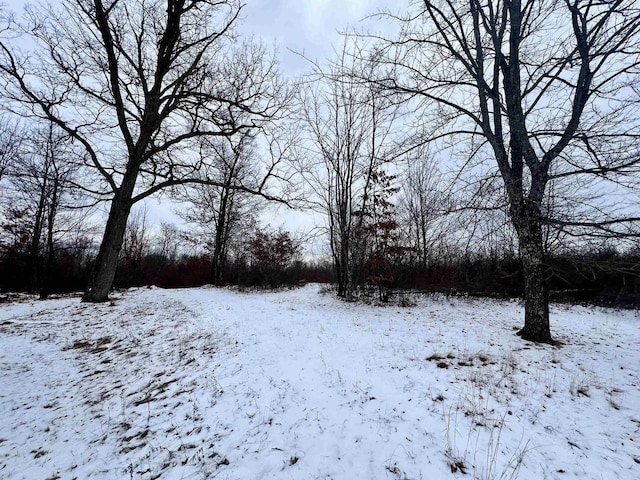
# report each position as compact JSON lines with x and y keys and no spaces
{"x":211,"y":383}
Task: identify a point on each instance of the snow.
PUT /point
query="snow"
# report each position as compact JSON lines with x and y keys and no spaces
{"x":214,"y":383}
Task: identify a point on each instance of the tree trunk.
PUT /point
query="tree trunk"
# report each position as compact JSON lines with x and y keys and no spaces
{"x":423,"y":230}
{"x":341,"y":275}
{"x":215,"y":273}
{"x":344,"y":282}
{"x":536,"y":289}
{"x":340,"y":256}
{"x":218,"y":261}
{"x":45,"y":283}
{"x":104,"y":270}
{"x":35,"y":259}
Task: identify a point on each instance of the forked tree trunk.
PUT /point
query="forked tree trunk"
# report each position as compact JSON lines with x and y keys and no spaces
{"x":536,"y":289}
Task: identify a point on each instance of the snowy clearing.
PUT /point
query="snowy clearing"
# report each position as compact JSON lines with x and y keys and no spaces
{"x":211,"y":383}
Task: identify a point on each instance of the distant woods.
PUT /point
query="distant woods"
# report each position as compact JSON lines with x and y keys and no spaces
{"x":485,"y":148}
{"x":406,"y":240}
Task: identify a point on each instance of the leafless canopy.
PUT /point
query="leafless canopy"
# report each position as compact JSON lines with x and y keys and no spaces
{"x":545,"y":88}
{"x":139,"y":83}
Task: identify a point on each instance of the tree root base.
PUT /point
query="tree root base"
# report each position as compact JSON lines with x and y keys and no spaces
{"x":536,"y":337}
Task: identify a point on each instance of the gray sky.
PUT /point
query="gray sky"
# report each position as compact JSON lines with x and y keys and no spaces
{"x":308,"y":26}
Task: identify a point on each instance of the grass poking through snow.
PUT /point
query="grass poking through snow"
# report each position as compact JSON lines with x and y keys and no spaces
{"x":208,"y":383}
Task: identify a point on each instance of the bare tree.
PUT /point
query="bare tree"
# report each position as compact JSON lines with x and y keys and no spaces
{"x":349,"y":129}
{"x":138,"y":84}
{"x":218,"y":210}
{"x":10,"y":140}
{"x":542,"y":89}
{"x":137,"y":238}
{"x":38,"y":187}
{"x":422,"y":204}
{"x":167,"y":241}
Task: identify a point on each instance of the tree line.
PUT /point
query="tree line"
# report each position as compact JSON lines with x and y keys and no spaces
{"x":497,"y":134}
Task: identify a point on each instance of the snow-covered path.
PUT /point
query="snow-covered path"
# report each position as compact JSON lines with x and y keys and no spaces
{"x":210,"y":383}
{"x":326,"y":385}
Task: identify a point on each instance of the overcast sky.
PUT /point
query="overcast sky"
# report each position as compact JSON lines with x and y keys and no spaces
{"x":309,"y":26}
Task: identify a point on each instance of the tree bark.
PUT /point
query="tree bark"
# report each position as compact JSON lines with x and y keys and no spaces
{"x":35,"y":259}
{"x":340,"y":253}
{"x":340,"y":275}
{"x":45,"y":282}
{"x":215,"y":273}
{"x":340,"y":262}
{"x":218,"y":260}
{"x":104,"y":270}
{"x":536,"y":289}
{"x":345,"y":288}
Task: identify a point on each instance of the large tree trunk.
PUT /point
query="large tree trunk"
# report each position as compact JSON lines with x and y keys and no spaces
{"x":104,"y":270}
{"x":536,"y":290}
{"x":218,"y":260}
